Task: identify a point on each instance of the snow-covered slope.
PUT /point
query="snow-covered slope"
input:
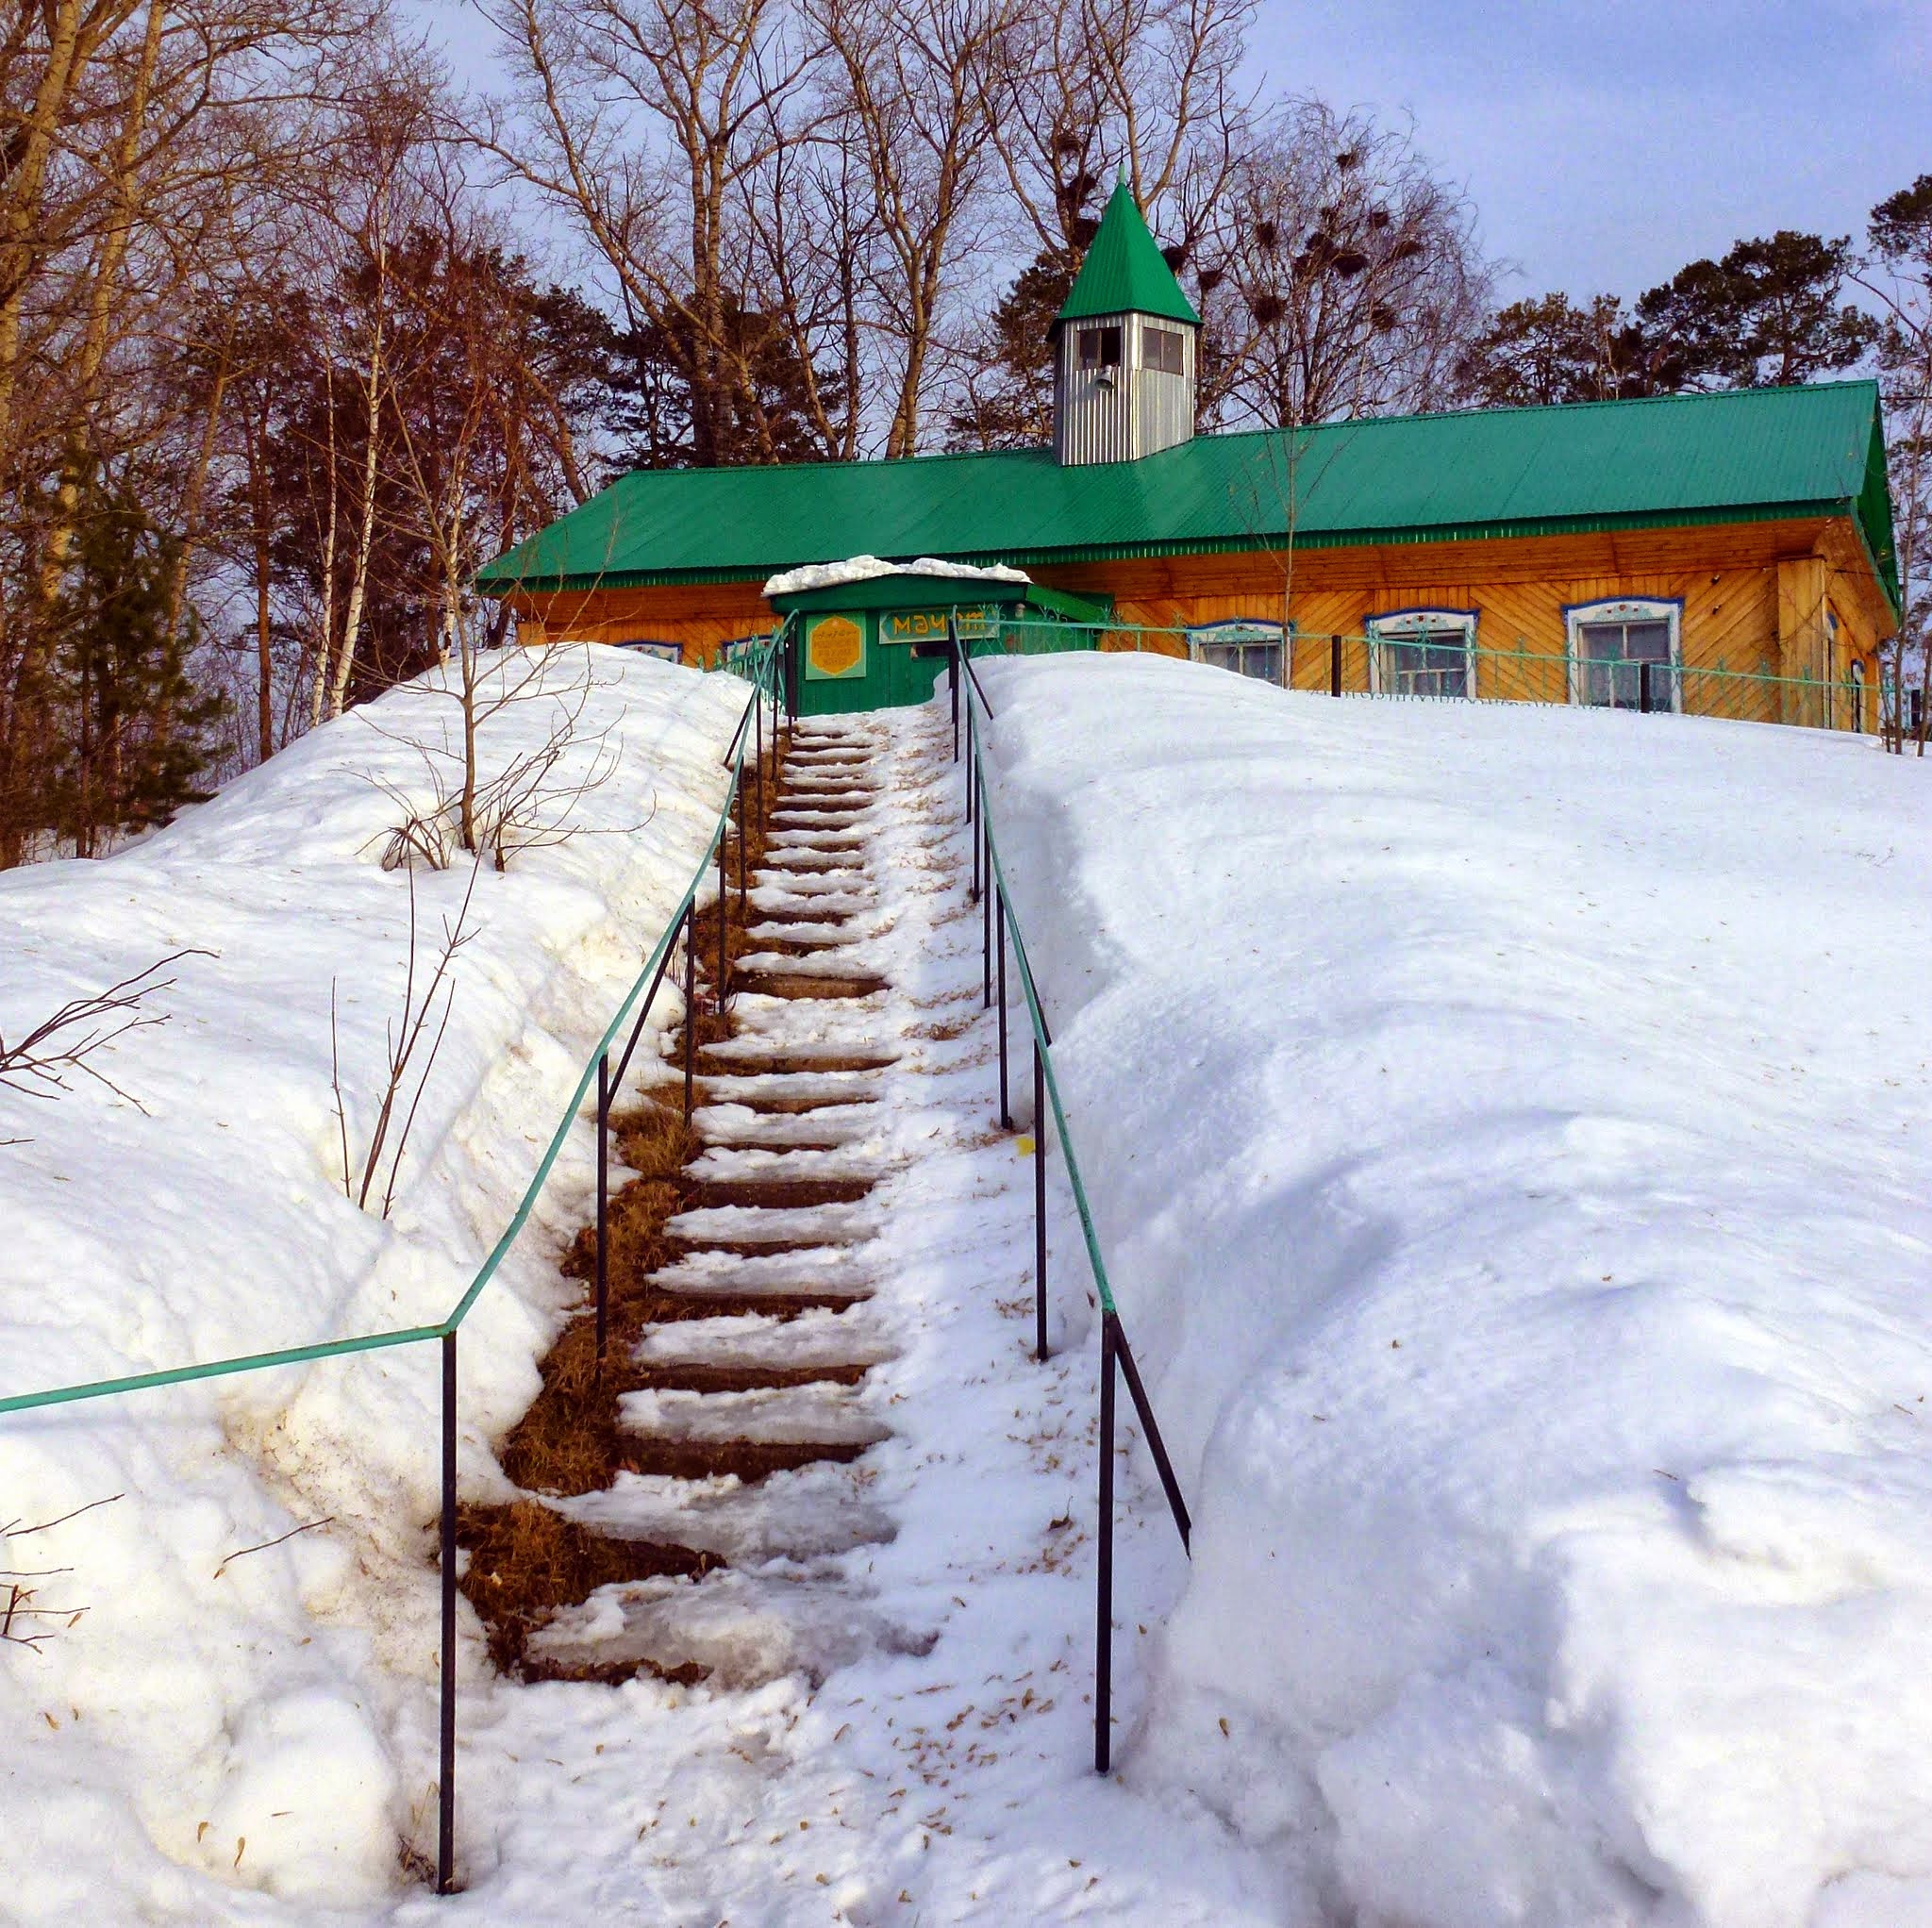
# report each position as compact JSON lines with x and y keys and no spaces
{"x":1510,"y":1134}
{"x":221,"y":1713}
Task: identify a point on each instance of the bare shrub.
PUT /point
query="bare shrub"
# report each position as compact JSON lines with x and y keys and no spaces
{"x":24,"y":1622}
{"x":532,"y":802}
{"x":41,"y":1064}
{"x":408,"y":1034}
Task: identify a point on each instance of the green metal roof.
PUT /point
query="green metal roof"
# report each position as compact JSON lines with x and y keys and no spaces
{"x":1743,"y":455}
{"x":1123,"y":269}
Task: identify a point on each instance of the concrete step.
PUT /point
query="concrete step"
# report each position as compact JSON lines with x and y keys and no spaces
{"x":802,"y":934}
{"x":761,"y":1228}
{"x":806,"y":1514}
{"x":730,"y":1629}
{"x":824,"y":1278}
{"x":789,"y":1092}
{"x":750,"y":1055}
{"x":807,"y":863}
{"x":825,"y":1127}
{"x":820,"y":1414}
{"x":824,"y":1341}
{"x":775,"y":1190}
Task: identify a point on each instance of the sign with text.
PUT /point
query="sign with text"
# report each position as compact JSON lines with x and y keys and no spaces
{"x":929,"y":625}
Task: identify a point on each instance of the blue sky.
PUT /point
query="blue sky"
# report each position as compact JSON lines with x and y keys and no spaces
{"x":1607,"y":144}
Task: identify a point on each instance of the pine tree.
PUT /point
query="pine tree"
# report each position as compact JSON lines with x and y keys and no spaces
{"x":130,"y":726}
{"x":1768,"y":313}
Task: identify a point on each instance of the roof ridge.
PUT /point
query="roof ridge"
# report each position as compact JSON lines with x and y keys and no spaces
{"x":1569,"y":410}
{"x":1513,"y":411}
{"x":866,"y":462}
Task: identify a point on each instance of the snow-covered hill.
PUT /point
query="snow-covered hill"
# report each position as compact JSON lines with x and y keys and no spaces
{"x":1511,"y":1147}
{"x":227,"y":1714}
{"x":1510,"y":1131}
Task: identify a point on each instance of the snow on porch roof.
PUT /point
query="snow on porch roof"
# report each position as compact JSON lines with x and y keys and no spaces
{"x":1744,"y":456}
{"x":824,"y":576}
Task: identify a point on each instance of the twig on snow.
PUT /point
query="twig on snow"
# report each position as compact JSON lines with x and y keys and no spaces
{"x":307,"y":1526}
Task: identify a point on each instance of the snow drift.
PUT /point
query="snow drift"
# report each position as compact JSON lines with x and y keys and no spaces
{"x":1509,"y":1131}
{"x":270,"y":1717}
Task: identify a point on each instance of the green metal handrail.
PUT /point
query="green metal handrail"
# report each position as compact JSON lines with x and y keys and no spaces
{"x":1116,"y":1355}
{"x":1042,"y":1038}
{"x":763,"y":675}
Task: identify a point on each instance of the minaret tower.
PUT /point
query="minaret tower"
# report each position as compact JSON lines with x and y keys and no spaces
{"x":1123,"y":381}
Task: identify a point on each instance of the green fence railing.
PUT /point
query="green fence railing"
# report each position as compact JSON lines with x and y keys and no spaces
{"x":1442,"y":667}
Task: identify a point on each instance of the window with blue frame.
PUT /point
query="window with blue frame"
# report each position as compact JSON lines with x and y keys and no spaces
{"x":1625,"y":653}
{"x":1249,"y":648}
{"x":1423,"y":652}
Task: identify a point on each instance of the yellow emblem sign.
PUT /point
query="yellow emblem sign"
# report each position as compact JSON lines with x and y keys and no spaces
{"x":835,"y":648}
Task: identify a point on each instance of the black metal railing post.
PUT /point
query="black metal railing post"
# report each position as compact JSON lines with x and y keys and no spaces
{"x":446,"y":1723}
{"x":953,"y":674}
{"x":724,"y":900}
{"x":1155,"y":1444}
{"x":999,"y":900}
{"x":986,"y":897}
{"x":972,"y":757}
{"x":743,"y":837}
{"x":691,"y":1000}
{"x":1039,"y":1203}
{"x":603,"y":1202}
{"x":1103,"y":1608}
{"x":1335,"y":666}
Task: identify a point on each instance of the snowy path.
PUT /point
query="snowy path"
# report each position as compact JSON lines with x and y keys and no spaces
{"x":895,"y":1719}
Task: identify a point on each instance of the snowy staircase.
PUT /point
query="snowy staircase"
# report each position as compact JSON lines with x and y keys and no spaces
{"x":744,"y":1419}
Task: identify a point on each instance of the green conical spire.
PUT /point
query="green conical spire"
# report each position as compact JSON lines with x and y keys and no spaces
{"x":1123,"y":269}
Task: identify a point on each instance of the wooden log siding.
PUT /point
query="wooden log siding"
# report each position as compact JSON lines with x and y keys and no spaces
{"x":1752,"y":597}
{"x":698,"y":616}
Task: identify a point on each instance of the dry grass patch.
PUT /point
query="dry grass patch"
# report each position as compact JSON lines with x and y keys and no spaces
{"x":527,"y":1560}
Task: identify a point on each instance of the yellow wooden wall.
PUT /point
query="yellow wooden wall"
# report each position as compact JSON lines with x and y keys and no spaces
{"x":698,"y":617}
{"x":1755,"y":597}
{"x":1752,"y":596}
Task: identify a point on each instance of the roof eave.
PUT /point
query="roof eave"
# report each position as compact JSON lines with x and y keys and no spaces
{"x":1260,"y":541}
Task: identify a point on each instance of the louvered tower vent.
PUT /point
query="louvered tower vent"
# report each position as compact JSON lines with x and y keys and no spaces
{"x":1127,"y":337}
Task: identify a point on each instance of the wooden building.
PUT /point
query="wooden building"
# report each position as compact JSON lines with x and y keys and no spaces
{"x":1739,"y":544}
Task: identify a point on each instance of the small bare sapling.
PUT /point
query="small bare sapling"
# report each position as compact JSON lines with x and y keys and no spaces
{"x":411,"y":1054}
{"x":532,"y":801}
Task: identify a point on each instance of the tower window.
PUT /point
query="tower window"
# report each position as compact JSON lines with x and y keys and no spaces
{"x":1162,"y":349}
{"x":1100,"y":347}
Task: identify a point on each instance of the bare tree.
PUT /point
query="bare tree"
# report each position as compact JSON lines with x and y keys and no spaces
{"x":645,"y":122}
{"x":917,"y":82}
{"x":1344,"y":279}
{"x":389,"y":200}
{"x":1151,"y":87}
